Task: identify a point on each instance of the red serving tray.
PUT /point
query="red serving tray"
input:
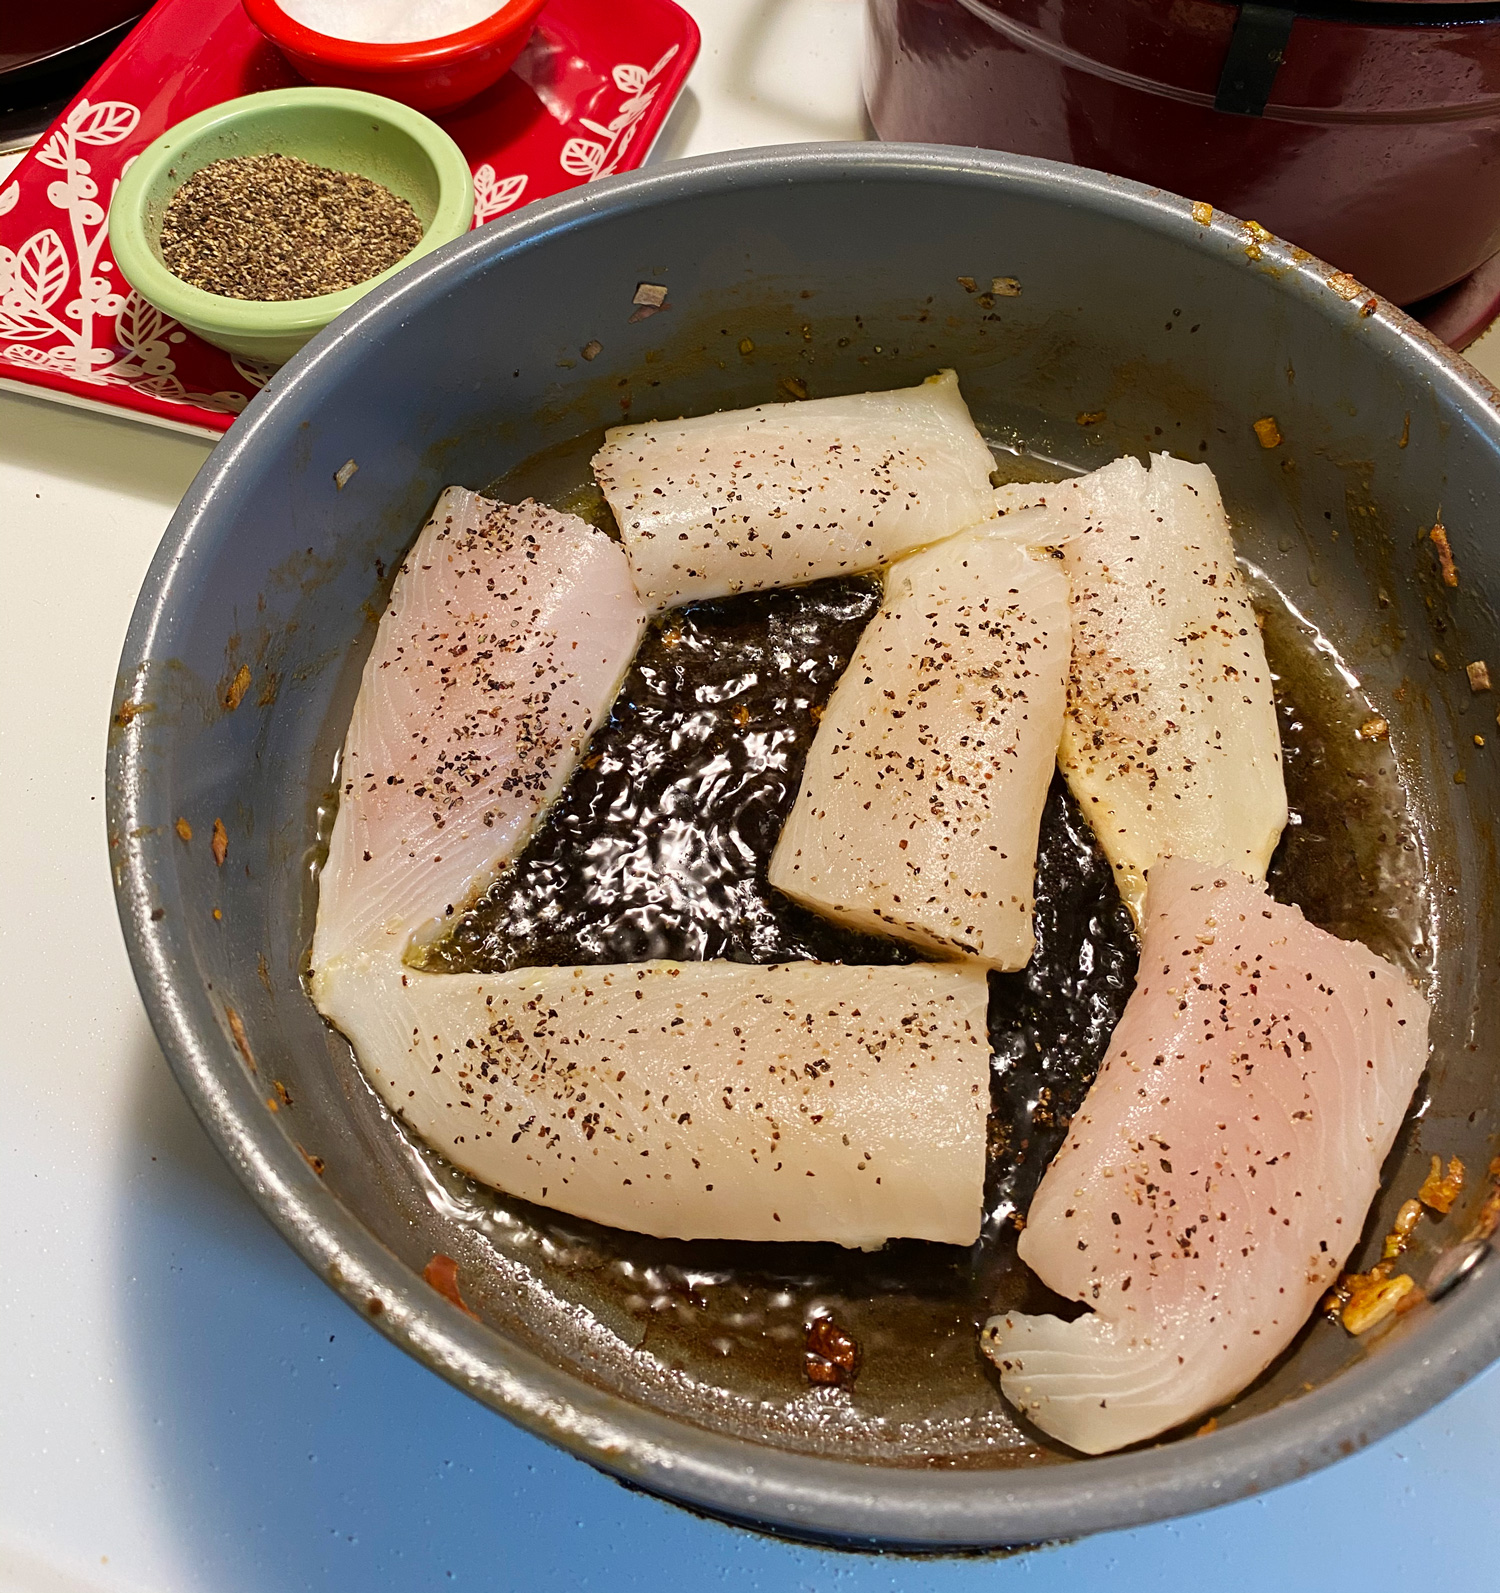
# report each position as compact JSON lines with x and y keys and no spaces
{"x":586,"y":99}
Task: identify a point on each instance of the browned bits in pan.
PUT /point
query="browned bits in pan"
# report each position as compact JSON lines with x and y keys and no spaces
{"x":1267,"y":431}
{"x":442,"y":1274}
{"x":1257,"y":235}
{"x":831,"y":1355}
{"x":241,"y":1039}
{"x":650,"y":298}
{"x":237,"y":688}
{"x":1402,"y":1229}
{"x":131,"y":709}
{"x":1439,"y":1189}
{"x":1373,"y":1299}
{"x":1488,"y":1218}
{"x":1362,"y":1300}
{"x":1438,"y":536}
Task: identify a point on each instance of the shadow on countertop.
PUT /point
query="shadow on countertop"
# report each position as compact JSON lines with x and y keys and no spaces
{"x":294,"y":1448}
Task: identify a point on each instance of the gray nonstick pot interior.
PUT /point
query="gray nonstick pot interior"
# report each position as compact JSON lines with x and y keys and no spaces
{"x":823,"y":270}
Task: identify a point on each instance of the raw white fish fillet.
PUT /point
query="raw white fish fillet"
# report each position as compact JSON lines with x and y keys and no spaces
{"x":1170,"y":743}
{"x":508,"y":632}
{"x":785,"y":493}
{"x":798,"y":1101}
{"x":1220,"y":1169}
{"x":922,"y":793}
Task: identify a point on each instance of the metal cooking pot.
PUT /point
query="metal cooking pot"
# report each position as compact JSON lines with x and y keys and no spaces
{"x":1365,"y":130}
{"x":843,"y":268}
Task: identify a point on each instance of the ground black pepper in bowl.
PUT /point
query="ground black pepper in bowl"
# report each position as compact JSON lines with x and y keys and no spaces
{"x":274,"y":227}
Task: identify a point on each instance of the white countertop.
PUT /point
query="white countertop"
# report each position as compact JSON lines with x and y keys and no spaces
{"x":184,"y":1408}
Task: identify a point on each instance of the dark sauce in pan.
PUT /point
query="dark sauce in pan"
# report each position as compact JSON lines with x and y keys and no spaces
{"x":659,"y":847}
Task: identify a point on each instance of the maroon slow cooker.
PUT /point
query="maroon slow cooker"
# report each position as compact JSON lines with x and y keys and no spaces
{"x":1367,"y":131}
{"x":33,"y":35}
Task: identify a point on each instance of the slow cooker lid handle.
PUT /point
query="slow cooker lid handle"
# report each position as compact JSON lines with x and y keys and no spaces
{"x":1258,"y":44}
{"x":1256,"y":50}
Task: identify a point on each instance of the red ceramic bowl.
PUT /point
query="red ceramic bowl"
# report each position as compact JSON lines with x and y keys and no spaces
{"x":428,"y":74}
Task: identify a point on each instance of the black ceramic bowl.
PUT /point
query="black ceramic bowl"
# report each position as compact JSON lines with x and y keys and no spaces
{"x":1138,"y":325}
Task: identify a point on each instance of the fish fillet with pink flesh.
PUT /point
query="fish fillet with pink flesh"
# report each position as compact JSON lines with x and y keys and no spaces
{"x":507,"y":634}
{"x":1220,"y":1169}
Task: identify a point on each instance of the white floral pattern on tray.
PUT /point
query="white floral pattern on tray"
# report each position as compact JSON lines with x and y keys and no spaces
{"x":493,"y":195}
{"x":71,"y":326}
{"x":588,"y":157}
{"x":34,"y":277}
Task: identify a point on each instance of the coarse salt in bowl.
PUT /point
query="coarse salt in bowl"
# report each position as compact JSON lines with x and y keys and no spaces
{"x":393,"y":51}
{"x":388,"y":21}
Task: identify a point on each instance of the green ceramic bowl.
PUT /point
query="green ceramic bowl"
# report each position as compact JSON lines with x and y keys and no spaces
{"x":341,"y":128}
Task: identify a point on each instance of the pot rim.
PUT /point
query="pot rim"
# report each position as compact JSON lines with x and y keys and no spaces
{"x":1433,"y":1351}
{"x":1366,"y":14}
